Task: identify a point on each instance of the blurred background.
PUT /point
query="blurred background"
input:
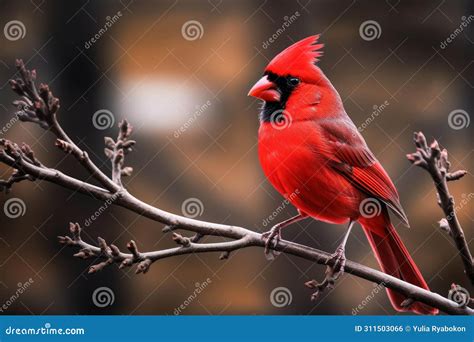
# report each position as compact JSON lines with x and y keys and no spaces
{"x":180,"y":71}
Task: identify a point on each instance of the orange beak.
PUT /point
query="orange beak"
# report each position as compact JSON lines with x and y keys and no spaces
{"x":265,"y":90}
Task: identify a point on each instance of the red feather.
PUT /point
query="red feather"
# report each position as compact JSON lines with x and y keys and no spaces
{"x":297,"y":59}
{"x":354,"y":160}
{"x":323,"y":166}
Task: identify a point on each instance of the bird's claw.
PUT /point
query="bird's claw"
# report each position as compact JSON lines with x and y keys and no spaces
{"x":271,"y":236}
{"x":338,"y":259}
{"x":334,"y":270}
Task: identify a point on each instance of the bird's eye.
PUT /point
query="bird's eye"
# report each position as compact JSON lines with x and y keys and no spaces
{"x":293,"y":81}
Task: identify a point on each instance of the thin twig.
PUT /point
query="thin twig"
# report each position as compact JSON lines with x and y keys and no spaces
{"x":112,"y":254}
{"x":435,"y":161}
{"x":41,"y":107}
{"x":116,"y":151}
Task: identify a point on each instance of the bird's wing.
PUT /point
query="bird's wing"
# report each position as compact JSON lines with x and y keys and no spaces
{"x":354,"y":160}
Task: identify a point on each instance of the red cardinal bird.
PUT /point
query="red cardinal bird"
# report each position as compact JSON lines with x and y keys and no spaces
{"x":312,"y":153}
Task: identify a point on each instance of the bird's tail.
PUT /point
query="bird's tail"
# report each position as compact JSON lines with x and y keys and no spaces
{"x":394,"y":259}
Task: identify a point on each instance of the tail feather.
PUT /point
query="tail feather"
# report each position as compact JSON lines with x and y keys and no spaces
{"x":394,"y":259}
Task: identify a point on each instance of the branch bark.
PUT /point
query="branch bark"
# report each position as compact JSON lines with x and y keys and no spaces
{"x":41,"y":106}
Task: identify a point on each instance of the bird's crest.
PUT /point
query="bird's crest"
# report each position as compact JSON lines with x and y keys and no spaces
{"x":298,"y":59}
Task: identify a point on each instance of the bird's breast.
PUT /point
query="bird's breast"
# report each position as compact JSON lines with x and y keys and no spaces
{"x":296,"y":162}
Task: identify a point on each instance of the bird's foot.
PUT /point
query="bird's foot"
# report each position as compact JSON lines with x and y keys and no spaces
{"x":334,"y":270}
{"x":338,"y":260}
{"x":272,"y":237}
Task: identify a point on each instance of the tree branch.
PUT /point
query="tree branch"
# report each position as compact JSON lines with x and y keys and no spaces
{"x":112,"y":254}
{"x":41,"y":107}
{"x":247,"y":238}
{"x":435,"y":161}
